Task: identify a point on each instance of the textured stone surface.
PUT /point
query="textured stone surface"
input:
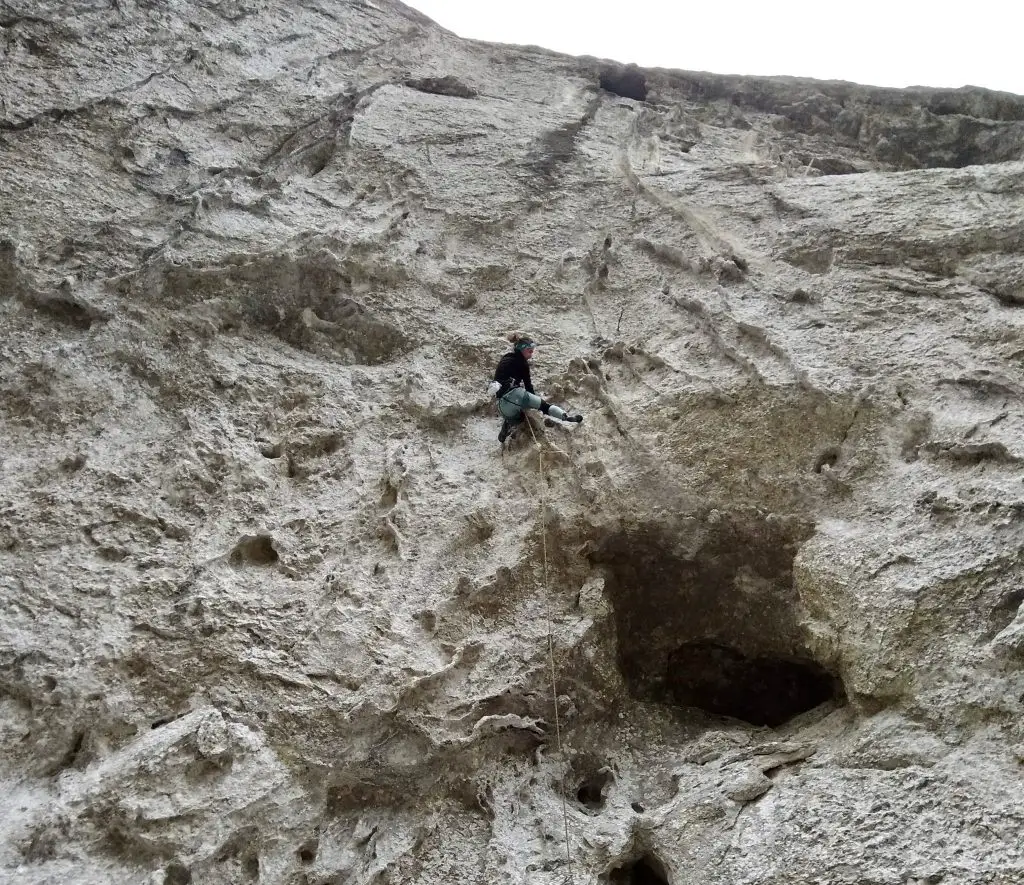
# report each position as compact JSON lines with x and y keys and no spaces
{"x":277,"y":609}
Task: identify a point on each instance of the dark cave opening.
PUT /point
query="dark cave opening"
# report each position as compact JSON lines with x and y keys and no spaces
{"x":255,"y":550}
{"x":177,"y":874}
{"x":646,"y":870}
{"x":759,"y":690}
{"x":627,"y":82}
{"x":590,"y":792}
{"x":706,"y":616}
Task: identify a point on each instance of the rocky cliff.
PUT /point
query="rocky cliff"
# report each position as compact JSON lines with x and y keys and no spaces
{"x":277,"y":607}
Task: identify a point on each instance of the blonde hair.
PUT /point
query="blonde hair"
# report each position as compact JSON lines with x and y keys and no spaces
{"x":516,"y":337}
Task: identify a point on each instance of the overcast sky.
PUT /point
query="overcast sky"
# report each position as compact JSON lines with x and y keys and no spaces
{"x":893,"y":43}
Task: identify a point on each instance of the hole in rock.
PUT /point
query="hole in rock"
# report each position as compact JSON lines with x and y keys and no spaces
{"x":706,"y":615}
{"x":74,"y":757}
{"x":760,"y":690}
{"x":827,"y":458}
{"x":177,"y":874}
{"x":328,"y":444}
{"x":628,"y":82}
{"x":67,"y":311}
{"x":255,"y":549}
{"x":1004,"y":612}
{"x":166,"y":720}
{"x":590,"y":793}
{"x":637,"y":807}
{"x":271,"y":450}
{"x":241,"y":849}
{"x":319,"y":157}
{"x":827,"y":165}
{"x":647,"y":870}
{"x":447,"y":85}
{"x":73,"y":463}
{"x":307,"y":850}
{"x":35,"y":47}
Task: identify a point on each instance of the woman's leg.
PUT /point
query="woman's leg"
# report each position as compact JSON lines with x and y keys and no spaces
{"x":555,"y":411}
{"x":511,"y":405}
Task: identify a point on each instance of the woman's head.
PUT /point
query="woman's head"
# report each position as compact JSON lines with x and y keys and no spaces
{"x":523,"y":344}
{"x":526,"y":348}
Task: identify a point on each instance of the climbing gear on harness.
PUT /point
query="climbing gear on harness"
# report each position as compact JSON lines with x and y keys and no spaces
{"x":512,"y":403}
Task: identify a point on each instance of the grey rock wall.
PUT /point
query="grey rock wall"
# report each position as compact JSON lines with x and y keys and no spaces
{"x":277,"y":607}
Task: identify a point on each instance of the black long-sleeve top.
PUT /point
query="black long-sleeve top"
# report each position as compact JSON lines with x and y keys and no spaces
{"x":513,"y":370}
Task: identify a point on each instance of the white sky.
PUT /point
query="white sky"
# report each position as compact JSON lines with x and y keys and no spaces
{"x":893,"y":43}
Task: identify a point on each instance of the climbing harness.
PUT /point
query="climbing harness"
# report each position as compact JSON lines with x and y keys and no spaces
{"x":551,"y":644}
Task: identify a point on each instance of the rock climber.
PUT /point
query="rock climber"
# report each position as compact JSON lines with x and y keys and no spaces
{"x":514,"y":389}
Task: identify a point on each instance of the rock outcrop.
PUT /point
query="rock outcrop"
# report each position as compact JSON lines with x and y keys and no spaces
{"x":278,"y":609}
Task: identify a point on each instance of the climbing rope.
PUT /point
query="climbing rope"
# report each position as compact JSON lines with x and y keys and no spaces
{"x":551,"y":641}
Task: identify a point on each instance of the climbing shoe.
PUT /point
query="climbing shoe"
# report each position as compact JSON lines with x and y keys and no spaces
{"x":575,"y":419}
{"x":506,"y":429}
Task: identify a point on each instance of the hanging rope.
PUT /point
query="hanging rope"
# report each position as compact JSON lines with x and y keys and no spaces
{"x":551,"y":639}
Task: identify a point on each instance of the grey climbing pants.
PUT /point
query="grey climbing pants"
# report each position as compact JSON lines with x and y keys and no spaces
{"x":511,"y":405}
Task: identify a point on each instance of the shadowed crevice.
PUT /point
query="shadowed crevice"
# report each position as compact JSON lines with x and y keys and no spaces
{"x":707,"y":617}
{"x":645,"y":870}
{"x":627,"y":82}
{"x":759,"y":690}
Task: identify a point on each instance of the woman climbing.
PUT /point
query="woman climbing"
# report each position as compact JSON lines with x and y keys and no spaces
{"x":515,"y":389}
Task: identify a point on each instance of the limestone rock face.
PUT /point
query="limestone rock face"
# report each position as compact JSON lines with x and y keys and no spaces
{"x":277,"y":607}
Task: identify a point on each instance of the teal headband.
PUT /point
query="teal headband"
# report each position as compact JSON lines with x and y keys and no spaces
{"x":525,"y":345}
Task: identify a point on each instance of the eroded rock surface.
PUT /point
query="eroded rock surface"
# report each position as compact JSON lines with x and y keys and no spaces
{"x":276,"y":607}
